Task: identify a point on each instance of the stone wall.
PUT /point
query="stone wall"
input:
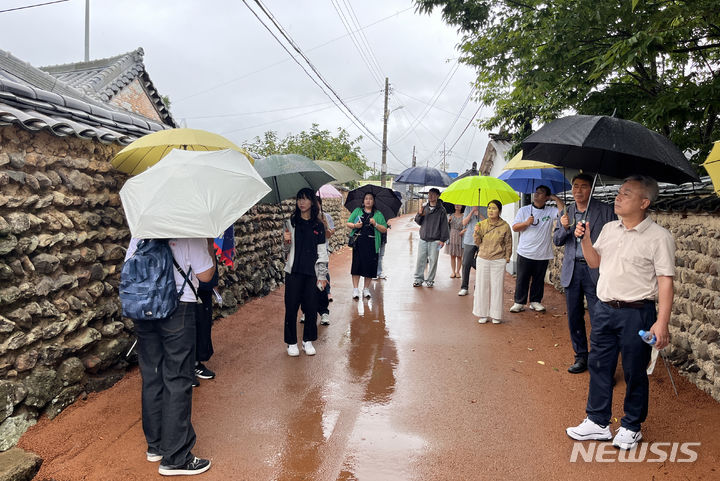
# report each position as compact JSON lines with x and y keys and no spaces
{"x":62,"y":233}
{"x":695,"y":321}
{"x":62,"y":242}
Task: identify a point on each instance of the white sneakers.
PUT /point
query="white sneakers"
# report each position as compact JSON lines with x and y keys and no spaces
{"x":293,"y":350}
{"x":484,"y":320}
{"x":463,"y":292}
{"x":308,"y":348}
{"x":536,"y":306}
{"x":325,"y":319}
{"x":588,"y":430}
{"x":626,"y":439}
{"x":365,"y":293}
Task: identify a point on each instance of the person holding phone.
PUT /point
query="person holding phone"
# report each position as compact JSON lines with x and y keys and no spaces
{"x":369,"y":222}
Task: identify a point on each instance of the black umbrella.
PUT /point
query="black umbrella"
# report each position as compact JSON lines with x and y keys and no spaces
{"x":610,"y":146}
{"x":423,"y":176}
{"x":385,"y":200}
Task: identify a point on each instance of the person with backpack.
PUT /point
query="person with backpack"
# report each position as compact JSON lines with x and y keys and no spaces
{"x":158,"y":290}
{"x":306,"y":270}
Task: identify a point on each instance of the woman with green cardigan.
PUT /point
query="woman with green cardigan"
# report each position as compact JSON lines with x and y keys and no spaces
{"x":369,"y":224}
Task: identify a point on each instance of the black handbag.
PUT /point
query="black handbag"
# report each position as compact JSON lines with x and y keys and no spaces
{"x":352,"y":240}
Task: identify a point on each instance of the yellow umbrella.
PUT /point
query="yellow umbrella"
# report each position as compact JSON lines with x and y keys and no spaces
{"x":518,"y":162}
{"x":149,"y":149}
{"x":479,"y":190}
{"x":712,"y":165}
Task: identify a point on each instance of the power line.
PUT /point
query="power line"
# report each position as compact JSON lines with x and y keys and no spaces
{"x":404,"y":94}
{"x":262,"y":69}
{"x":32,"y":6}
{"x":363,"y":55}
{"x":278,"y":120}
{"x":464,"y":130}
{"x":344,"y":109}
{"x":443,"y":85}
{"x":240,"y":114}
{"x":462,"y":108}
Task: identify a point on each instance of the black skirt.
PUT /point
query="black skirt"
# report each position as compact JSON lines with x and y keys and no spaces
{"x":364,"y":258}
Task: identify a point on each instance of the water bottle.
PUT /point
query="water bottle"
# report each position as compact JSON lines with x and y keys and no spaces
{"x":647,"y":336}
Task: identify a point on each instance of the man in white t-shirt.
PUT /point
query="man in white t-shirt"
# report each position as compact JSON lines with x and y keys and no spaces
{"x":167,"y":362}
{"x":534,"y":222}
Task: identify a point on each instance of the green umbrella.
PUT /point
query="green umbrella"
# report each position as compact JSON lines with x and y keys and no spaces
{"x":340,"y":171}
{"x":286,"y":174}
{"x":479,"y":190}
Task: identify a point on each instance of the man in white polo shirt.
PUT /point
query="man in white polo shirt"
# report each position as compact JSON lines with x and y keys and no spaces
{"x":637,"y":264}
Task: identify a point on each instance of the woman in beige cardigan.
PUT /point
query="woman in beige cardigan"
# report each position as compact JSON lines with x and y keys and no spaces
{"x":494,"y":240}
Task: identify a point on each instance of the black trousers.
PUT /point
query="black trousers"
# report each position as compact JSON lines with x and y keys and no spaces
{"x":203,"y":339}
{"x":615,"y":331}
{"x":166,"y":351}
{"x":300,"y":290}
{"x":581,"y":285}
{"x":323,"y":299}
{"x":530,"y":274}
{"x":468,"y":261}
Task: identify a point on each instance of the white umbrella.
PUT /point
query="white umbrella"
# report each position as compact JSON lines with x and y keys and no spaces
{"x":191,"y":194}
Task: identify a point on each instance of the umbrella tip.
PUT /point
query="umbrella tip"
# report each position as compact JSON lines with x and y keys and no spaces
{"x":614,"y":110}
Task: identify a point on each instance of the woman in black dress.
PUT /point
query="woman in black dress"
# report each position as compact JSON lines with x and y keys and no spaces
{"x":369,"y":223}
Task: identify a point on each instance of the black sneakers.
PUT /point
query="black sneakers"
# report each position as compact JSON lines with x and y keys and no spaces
{"x":195,"y":382}
{"x":202,"y":372}
{"x":194,"y":466}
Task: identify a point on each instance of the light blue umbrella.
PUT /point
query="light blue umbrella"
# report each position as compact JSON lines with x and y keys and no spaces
{"x":527,"y":180}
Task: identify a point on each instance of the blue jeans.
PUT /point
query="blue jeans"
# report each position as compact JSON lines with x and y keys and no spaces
{"x":166,"y":351}
{"x":615,"y":331}
{"x":428,"y":252}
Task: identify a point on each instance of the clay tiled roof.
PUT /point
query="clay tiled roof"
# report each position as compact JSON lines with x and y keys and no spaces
{"x":35,"y":100}
{"x":103,"y":79}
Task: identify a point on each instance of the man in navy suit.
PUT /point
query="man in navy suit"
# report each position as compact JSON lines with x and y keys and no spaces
{"x":576,"y":277}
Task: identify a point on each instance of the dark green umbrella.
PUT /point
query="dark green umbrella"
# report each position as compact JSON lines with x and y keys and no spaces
{"x":286,"y":174}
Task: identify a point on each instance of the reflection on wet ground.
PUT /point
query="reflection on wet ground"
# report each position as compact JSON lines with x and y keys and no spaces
{"x":354,"y":407}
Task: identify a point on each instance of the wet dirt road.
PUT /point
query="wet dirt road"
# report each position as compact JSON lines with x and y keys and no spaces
{"x":406,"y":386}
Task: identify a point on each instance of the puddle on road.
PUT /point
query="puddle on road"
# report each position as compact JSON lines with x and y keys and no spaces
{"x":347,"y":426}
{"x":378,"y":451}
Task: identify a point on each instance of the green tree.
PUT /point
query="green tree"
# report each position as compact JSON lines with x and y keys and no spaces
{"x":655,"y":62}
{"x":316,"y":144}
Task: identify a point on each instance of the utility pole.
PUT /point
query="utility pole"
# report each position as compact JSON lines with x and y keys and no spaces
{"x":383,"y":168}
{"x":444,"y":154}
{"x":412,"y":187}
{"x":87,"y":30}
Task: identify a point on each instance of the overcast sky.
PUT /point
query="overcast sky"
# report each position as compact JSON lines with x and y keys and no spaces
{"x":224,"y":72}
